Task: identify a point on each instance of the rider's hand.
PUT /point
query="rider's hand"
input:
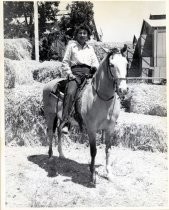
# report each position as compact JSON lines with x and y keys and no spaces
{"x":71,"y":76}
{"x":93,"y":70}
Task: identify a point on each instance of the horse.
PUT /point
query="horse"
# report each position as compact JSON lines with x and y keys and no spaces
{"x":99,"y":105}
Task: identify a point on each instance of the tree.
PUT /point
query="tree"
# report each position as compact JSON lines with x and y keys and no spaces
{"x":78,"y":12}
{"x":47,"y":12}
{"x":14,"y":10}
{"x":24,"y":10}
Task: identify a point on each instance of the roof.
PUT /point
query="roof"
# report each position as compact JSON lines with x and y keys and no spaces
{"x":134,"y":39}
{"x":157,"y":17}
{"x":148,"y":25}
{"x":156,"y":23}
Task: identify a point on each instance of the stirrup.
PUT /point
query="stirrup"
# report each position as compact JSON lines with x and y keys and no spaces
{"x":65,"y":129}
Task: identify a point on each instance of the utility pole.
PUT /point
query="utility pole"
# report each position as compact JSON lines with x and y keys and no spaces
{"x":36,"y":30}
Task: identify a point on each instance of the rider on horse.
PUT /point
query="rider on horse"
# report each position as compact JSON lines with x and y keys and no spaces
{"x":79,"y":61}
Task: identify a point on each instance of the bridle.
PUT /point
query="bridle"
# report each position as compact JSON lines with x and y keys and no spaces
{"x":111,"y":77}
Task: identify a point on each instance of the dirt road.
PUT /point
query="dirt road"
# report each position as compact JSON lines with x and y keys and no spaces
{"x":140,"y":178}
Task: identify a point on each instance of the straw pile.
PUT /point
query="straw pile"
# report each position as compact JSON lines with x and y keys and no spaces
{"x":98,"y":47}
{"x":47,"y":71}
{"x":139,"y":131}
{"x":24,"y":120}
{"x":17,"y":49}
{"x":135,"y":131}
{"x":27,"y":72}
{"x":21,"y":71}
{"x":147,"y":99}
{"x":9,"y":74}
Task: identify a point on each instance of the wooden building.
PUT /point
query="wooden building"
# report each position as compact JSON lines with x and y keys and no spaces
{"x":150,"y":50}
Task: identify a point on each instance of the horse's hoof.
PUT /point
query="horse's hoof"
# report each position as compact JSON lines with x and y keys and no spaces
{"x":62,"y":156}
{"x":110,"y":178}
{"x":92,"y":185}
{"x":50,"y":153}
{"x":93,"y":180}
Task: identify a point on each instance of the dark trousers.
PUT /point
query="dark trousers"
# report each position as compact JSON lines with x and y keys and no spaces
{"x":71,"y":91}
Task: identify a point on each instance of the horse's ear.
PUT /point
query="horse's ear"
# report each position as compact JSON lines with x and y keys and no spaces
{"x":106,"y":49}
{"x":124,"y":49}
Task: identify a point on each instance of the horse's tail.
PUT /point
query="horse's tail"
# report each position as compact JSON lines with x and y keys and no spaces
{"x":50,"y":101}
{"x":52,"y":106}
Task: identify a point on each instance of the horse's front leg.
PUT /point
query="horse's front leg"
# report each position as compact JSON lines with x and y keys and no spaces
{"x":107,"y":150}
{"x":93,"y":151}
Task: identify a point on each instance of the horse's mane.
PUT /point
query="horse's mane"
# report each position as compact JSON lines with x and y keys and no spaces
{"x":111,"y":52}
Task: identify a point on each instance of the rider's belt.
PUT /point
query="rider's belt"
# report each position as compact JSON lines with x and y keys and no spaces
{"x":81,"y":66}
{"x":81,"y":70}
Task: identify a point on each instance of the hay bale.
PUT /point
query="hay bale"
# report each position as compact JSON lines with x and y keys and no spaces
{"x":146,"y":99}
{"x":17,"y":49}
{"x":138,"y":131}
{"x":98,"y":47}
{"x":25,"y":123}
{"x":23,"y":71}
{"x":24,"y":120}
{"x":9,"y":74}
{"x":135,"y":131}
{"x":48,"y":71}
{"x":27,"y":72}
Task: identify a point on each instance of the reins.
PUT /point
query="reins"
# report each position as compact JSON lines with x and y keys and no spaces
{"x":112,"y":77}
{"x":103,"y":99}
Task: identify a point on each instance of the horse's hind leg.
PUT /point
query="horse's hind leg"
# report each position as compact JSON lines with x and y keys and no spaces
{"x":50,"y":131}
{"x":93,"y":151}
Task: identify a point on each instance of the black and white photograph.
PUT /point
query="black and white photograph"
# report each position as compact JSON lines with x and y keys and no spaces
{"x":84,"y":116}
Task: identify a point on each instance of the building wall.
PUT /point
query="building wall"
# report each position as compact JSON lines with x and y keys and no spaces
{"x":159,"y":54}
{"x":149,"y":56}
{"x":160,"y":50}
{"x":153,"y":53}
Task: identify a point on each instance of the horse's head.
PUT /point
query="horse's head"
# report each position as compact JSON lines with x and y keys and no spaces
{"x":117,"y":65}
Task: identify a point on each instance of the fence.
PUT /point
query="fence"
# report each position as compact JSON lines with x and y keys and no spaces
{"x":153,"y":80}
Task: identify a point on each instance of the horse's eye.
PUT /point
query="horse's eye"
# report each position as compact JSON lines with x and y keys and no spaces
{"x":112,"y":65}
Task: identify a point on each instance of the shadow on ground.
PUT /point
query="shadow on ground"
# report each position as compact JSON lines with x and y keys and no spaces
{"x":78,"y":172}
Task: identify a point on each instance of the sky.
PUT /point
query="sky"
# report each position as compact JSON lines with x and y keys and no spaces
{"x":121,"y":20}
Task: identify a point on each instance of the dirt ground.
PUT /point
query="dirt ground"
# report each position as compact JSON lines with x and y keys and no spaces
{"x":140,"y":178}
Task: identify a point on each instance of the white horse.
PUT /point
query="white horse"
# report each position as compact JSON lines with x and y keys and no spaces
{"x":100,"y":105}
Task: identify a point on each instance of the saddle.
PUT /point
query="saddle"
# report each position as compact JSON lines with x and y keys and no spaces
{"x":59,"y":91}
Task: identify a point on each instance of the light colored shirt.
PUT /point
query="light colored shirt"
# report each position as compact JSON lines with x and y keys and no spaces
{"x":76,"y":54}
